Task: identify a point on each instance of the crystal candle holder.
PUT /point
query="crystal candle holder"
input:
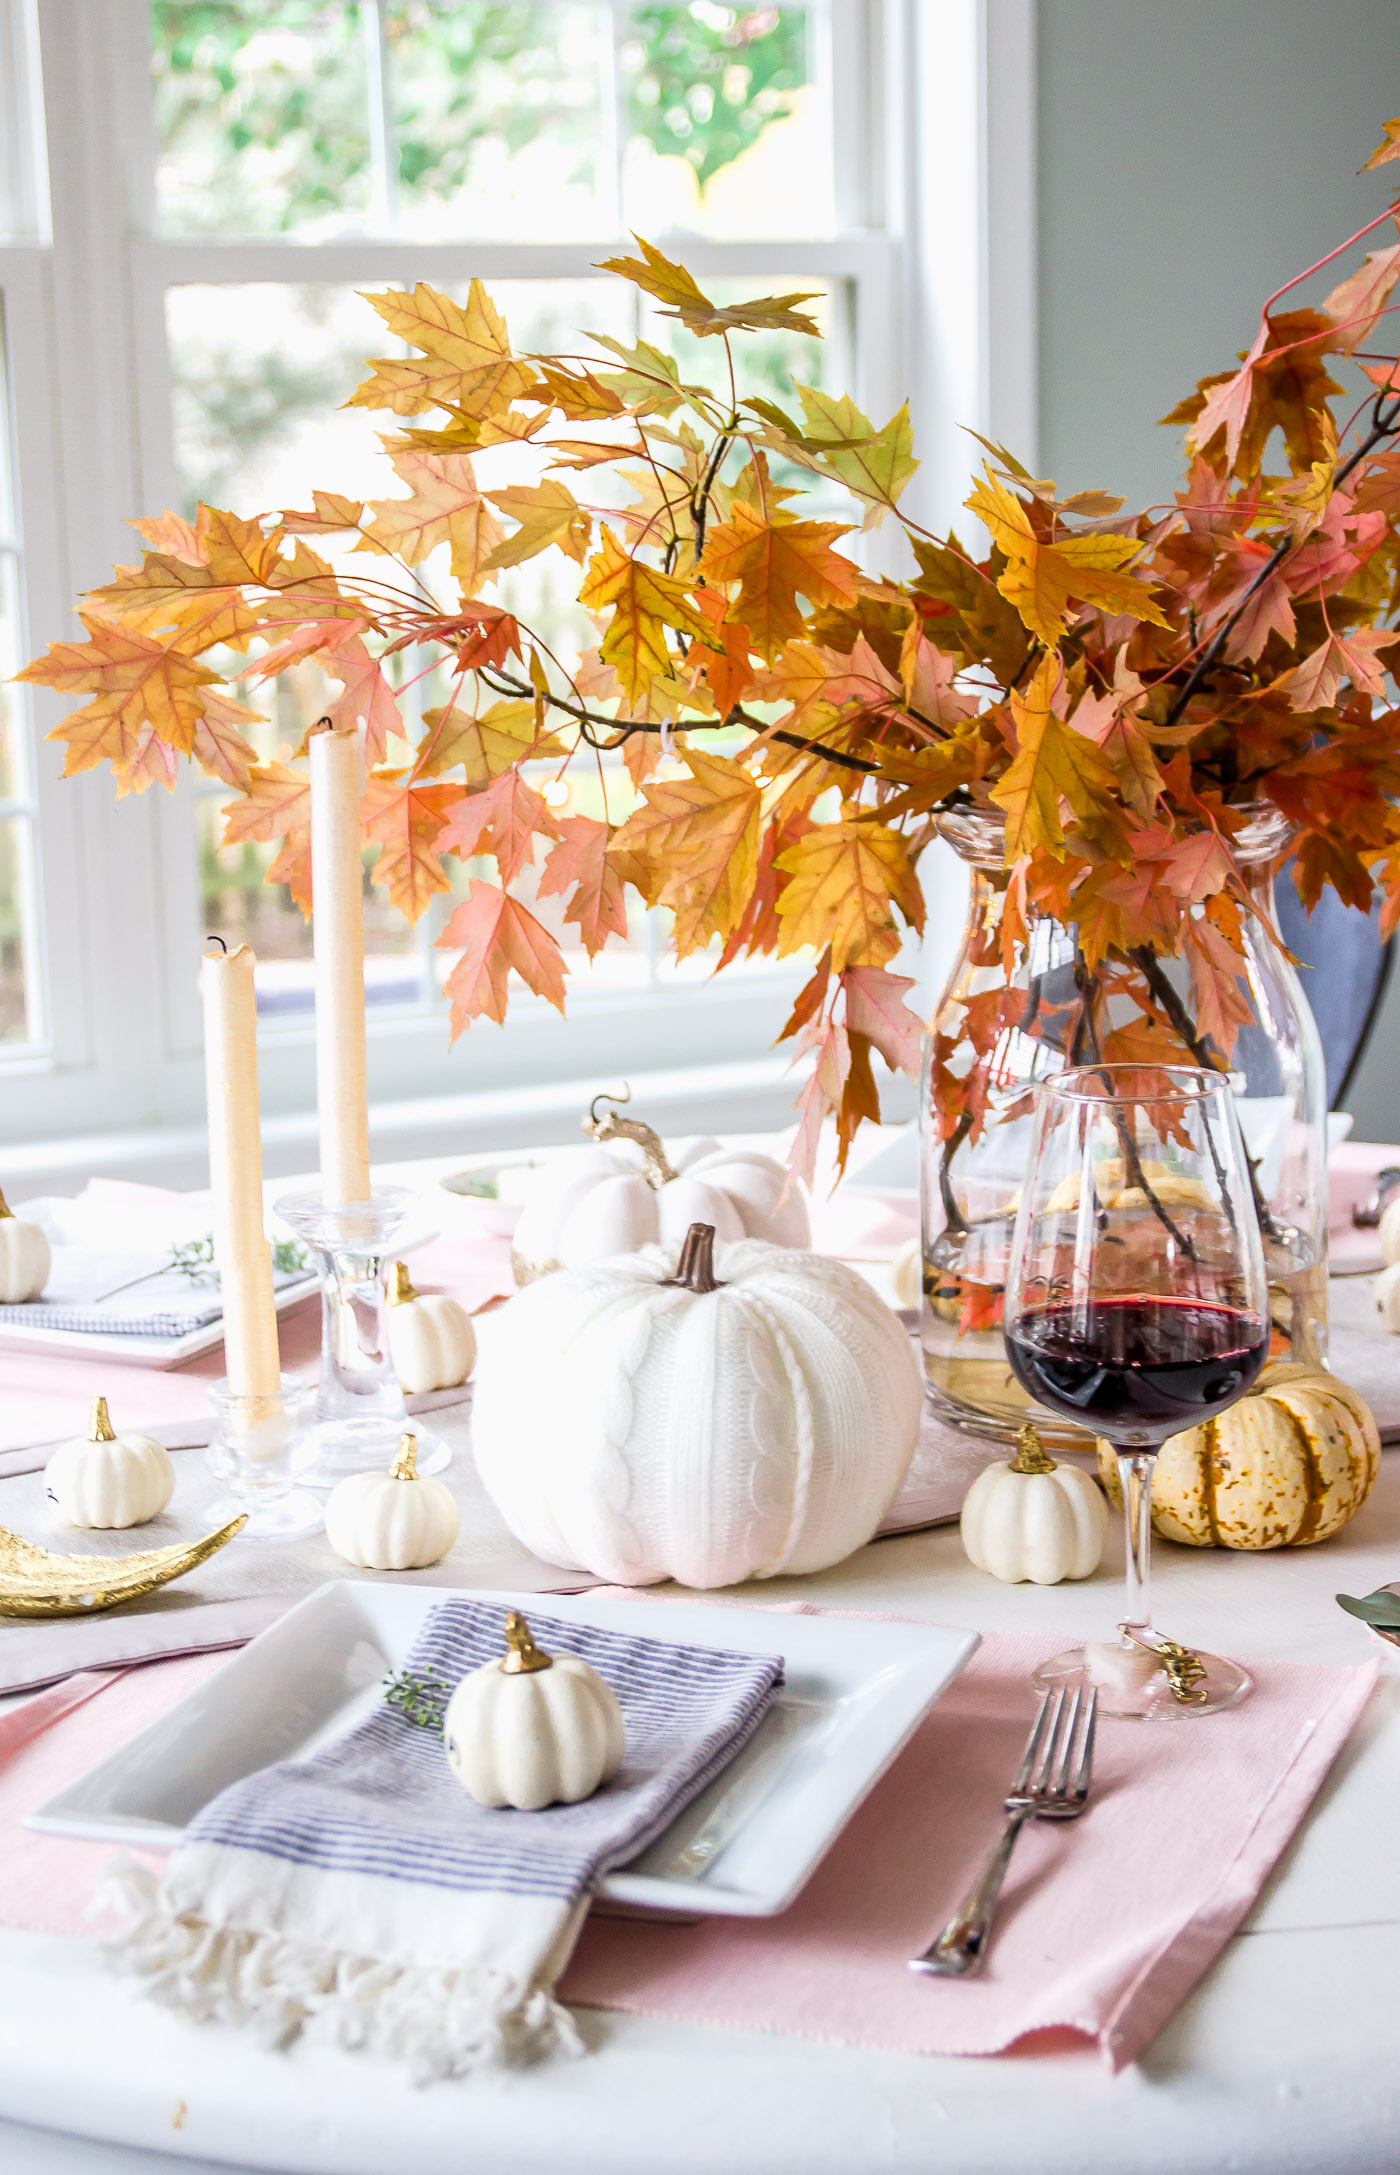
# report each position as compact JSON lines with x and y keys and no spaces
{"x":262,"y":1450}
{"x":359,"y":1411}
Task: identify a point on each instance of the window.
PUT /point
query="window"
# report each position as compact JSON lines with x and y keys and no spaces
{"x":192,"y":193}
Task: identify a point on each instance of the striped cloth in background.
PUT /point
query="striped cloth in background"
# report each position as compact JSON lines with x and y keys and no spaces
{"x":363,"y":1897}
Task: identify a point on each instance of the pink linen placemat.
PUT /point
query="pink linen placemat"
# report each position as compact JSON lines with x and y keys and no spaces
{"x":1104,"y":1928}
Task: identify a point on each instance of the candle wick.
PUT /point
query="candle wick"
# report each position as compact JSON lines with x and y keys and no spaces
{"x":212,"y":938}
{"x":323,"y":725}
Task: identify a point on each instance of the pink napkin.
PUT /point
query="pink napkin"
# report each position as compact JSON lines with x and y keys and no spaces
{"x":1105,"y":1926}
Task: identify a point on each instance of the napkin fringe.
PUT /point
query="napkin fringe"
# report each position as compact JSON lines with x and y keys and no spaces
{"x":442,"y":2022}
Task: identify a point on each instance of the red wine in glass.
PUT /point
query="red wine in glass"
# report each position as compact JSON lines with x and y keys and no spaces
{"x":1137,"y":1369}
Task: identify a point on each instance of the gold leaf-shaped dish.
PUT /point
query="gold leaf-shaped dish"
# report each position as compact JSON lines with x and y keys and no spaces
{"x":34,"y":1582}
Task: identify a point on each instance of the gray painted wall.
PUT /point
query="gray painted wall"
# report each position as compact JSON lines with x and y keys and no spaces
{"x":1194,"y":154}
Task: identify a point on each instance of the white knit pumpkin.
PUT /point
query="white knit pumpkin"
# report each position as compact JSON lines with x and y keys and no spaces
{"x":25,"y":1259}
{"x":642,"y":1428}
{"x":104,"y":1481}
{"x":624,"y":1194}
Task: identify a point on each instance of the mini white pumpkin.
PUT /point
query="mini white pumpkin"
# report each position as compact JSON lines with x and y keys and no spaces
{"x":1387,"y":1294}
{"x":1389,"y":1234}
{"x":392,"y":1521}
{"x":533,"y":1729}
{"x":639,"y":1420}
{"x":907,"y":1275}
{"x":25,"y":1259}
{"x":626,"y":1194}
{"x":1033,"y":1519}
{"x":103,"y":1480}
{"x":431,"y":1340}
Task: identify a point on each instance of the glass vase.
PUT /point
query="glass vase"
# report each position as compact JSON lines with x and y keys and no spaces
{"x":1029,"y":1014}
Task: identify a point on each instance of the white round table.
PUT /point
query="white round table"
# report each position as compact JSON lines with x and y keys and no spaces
{"x":1286,"y":2059}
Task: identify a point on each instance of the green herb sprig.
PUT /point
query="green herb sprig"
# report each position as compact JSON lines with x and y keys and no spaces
{"x":420,"y":1697}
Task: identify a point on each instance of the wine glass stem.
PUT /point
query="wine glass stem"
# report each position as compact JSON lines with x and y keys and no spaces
{"x":1135,"y":1476}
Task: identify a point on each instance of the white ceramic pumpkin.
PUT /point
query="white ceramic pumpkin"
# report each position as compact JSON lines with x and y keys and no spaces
{"x":533,"y":1729}
{"x":1286,"y":1466}
{"x":25,"y":1259}
{"x":1386,"y":1289}
{"x":431,"y":1339}
{"x":1389,"y":1234}
{"x":1033,"y":1519}
{"x":642,"y":1421}
{"x":624,"y":1194}
{"x":907,"y":1275}
{"x":106,"y":1481}
{"x":392,"y":1521}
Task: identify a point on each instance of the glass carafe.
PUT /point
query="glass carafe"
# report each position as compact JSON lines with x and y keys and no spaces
{"x":973,"y":1160}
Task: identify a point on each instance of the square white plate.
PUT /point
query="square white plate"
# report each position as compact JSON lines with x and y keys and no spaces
{"x":853,"y":1695}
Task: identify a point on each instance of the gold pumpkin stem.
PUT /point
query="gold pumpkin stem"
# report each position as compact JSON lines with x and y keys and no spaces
{"x":405,"y":1465}
{"x":100,"y":1428}
{"x":522,"y":1657}
{"x":611,"y":1127}
{"x":400,"y":1290}
{"x":1031,"y":1453}
{"x":5,"y":1208}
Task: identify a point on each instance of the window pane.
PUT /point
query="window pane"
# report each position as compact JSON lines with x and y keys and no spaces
{"x":262,"y":113}
{"x":12,"y":721}
{"x":727,"y":129}
{"x":500,"y":115}
{"x":16,"y":879}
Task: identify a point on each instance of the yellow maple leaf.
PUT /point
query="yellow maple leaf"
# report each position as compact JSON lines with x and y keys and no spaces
{"x":469,"y":364}
{"x":1052,"y":762}
{"x":444,"y":507}
{"x":1042,"y":579}
{"x":547,"y":513}
{"x":644,"y":603}
{"x":485,"y":746}
{"x":696,"y":839}
{"x":774,"y":565}
{"x":844,"y":881}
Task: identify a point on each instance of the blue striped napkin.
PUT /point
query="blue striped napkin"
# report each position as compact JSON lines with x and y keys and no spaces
{"x":363,"y":1897}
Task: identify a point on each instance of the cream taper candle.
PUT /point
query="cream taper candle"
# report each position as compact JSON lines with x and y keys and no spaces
{"x":235,"y":1172}
{"x":338,"y":933}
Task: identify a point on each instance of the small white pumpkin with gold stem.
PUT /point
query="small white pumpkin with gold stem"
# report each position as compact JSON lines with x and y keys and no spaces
{"x":392,"y":1521}
{"x":1033,"y":1519}
{"x":431,"y":1339}
{"x":25,"y":1259}
{"x":105,"y":1481}
{"x":533,"y":1729}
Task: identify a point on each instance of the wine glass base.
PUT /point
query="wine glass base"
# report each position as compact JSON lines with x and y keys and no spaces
{"x":1151,"y":1699}
{"x":287,"y":1517}
{"x":343,"y":1447}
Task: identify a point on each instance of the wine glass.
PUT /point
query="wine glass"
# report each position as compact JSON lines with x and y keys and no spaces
{"x":1137,"y":1301}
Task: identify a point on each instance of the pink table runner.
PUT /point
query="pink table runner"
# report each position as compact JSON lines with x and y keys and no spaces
{"x":1105,"y":1927}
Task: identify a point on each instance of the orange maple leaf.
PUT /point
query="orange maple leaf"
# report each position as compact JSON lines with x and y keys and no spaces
{"x":1313,"y":683}
{"x":219,"y":747}
{"x":497,"y":934}
{"x":444,"y":507}
{"x":579,"y":866}
{"x":407,"y":818}
{"x":846,"y":879}
{"x":366,"y":698}
{"x":276,"y":804}
{"x":728,"y":670}
{"x":644,"y":602}
{"x":137,"y":683}
{"x":698,"y":837}
{"x":503,"y":819}
{"x":774,"y":566}
{"x":1052,"y":763}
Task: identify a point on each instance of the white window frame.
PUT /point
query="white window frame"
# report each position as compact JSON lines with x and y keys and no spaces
{"x":933,"y":106}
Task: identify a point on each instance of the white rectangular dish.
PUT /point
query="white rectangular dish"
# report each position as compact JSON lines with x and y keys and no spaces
{"x":853,"y":1695}
{"x":132,"y":1351}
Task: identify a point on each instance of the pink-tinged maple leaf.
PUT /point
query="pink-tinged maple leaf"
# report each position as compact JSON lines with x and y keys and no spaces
{"x":1342,"y":541}
{"x":579,"y":865}
{"x":407,"y":816}
{"x":875,"y":1008}
{"x":929,"y":676}
{"x":1227,"y":405}
{"x":498,"y":936}
{"x":367,"y":698}
{"x":503,"y":819}
{"x":1355,"y":306}
{"x":820,"y":1097}
{"x":1313,"y":684}
{"x":172,"y":534}
{"x":1196,"y":867}
{"x":1217,"y":972}
{"x":1269,"y":611}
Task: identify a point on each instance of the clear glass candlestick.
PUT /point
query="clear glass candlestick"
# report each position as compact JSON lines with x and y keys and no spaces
{"x":261,"y":1451}
{"x":359,"y":1411}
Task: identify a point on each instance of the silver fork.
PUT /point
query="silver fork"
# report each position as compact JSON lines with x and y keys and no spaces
{"x":1052,"y":1782}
